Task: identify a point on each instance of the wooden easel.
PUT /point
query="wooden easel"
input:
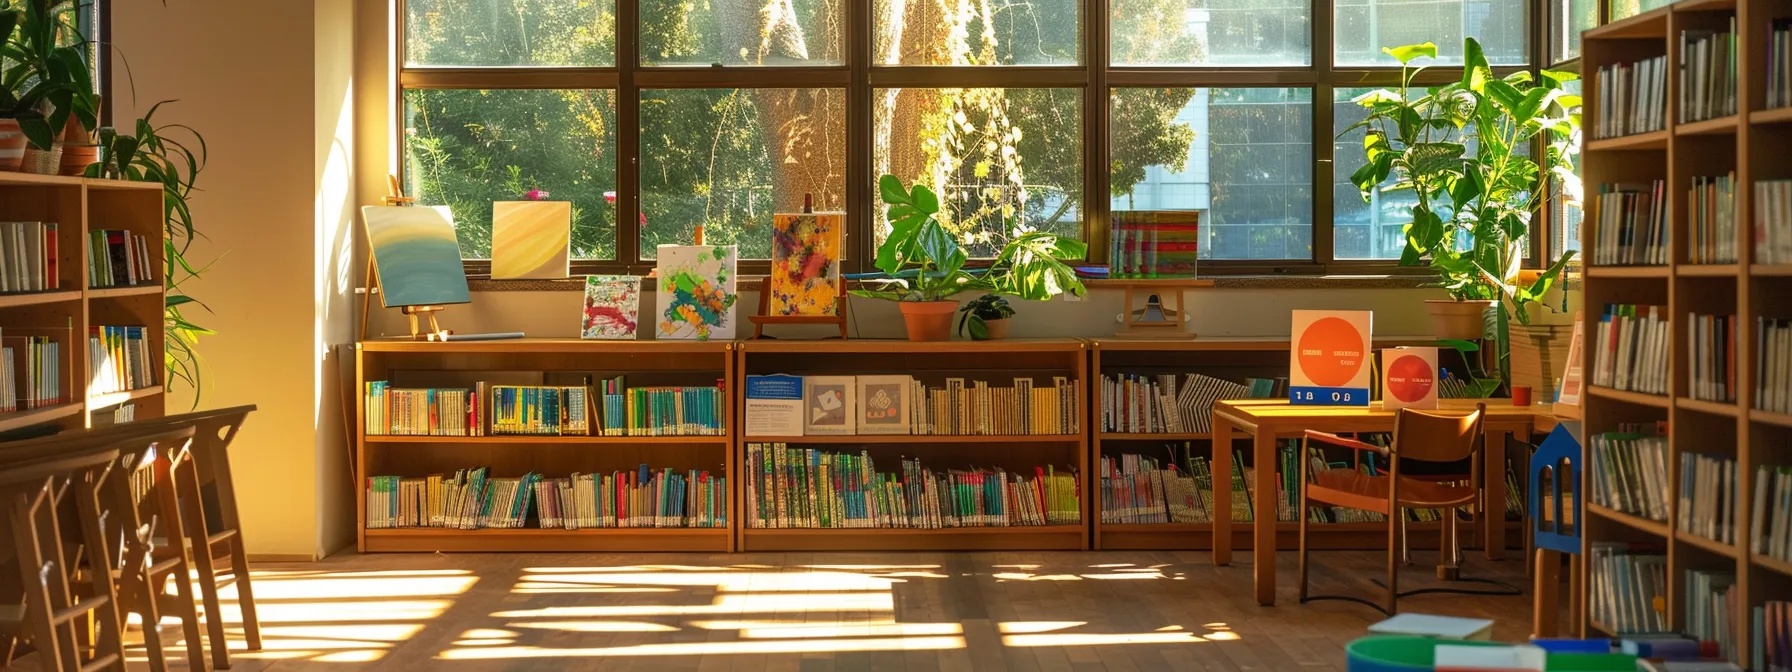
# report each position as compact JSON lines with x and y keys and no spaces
{"x":395,"y":196}
{"x":1146,"y":323}
{"x":765,"y":303}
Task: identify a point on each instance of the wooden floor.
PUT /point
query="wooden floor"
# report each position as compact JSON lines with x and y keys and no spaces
{"x":835,"y":611}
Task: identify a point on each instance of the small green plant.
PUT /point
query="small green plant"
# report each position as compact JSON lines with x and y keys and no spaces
{"x":45,"y":80}
{"x":975,"y":316}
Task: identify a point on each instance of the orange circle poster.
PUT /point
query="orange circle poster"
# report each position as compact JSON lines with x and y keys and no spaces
{"x":1329,"y":359}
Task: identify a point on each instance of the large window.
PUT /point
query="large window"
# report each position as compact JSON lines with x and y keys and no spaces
{"x":659,"y":117}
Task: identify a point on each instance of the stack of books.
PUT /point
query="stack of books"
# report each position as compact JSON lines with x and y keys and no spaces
{"x":1154,"y":243}
{"x":662,"y":411}
{"x":1159,"y":404}
{"x":1628,"y":588}
{"x":1628,"y":472}
{"x":1770,"y":533}
{"x":1636,"y":98}
{"x":1773,"y":221}
{"x":119,"y":258}
{"x":28,"y":257}
{"x":1707,"y":73}
{"x":1773,"y":365}
{"x":1712,"y":359}
{"x":1630,"y":344}
{"x":809,"y":488}
{"x":423,"y":412}
{"x":120,"y":359}
{"x":1140,"y":489}
{"x":1708,"y":496}
{"x":1711,"y":216}
{"x":1633,"y":225}
{"x":1779,"y":63}
{"x":1713,"y":613}
{"x":640,"y":498}
{"x":32,"y":375}
{"x":539,"y":410}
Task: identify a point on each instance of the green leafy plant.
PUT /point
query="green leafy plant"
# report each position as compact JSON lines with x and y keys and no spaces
{"x":45,"y":80}
{"x":925,"y":262}
{"x":151,"y":153}
{"x":975,"y":316}
{"x":1463,"y":149}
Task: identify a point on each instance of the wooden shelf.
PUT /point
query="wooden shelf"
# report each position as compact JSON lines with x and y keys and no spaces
{"x":1626,"y":271}
{"x":918,"y":439}
{"x":1778,"y":115}
{"x":872,"y":346}
{"x":27,"y":418}
{"x":1772,"y":564}
{"x":1163,"y":436}
{"x":1650,"y":24}
{"x":1727,"y":550}
{"x":612,"y":539}
{"x":1639,"y":142}
{"x":1770,"y":270}
{"x":515,"y":439}
{"x":1719,"y":126}
{"x":114,"y":398}
{"x":1639,"y":398}
{"x":546,"y":345}
{"x":33,"y":180}
{"x":1185,"y":283}
{"x":1039,"y":537}
{"x":1770,"y":417}
{"x":128,"y":290}
{"x":1705,"y":5}
{"x":1638,"y":523}
{"x":39,"y":298}
{"x":1713,"y":407}
{"x":1707,"y":270}
{"x":1267,"y":344}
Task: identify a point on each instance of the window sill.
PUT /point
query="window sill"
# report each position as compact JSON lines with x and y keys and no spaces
{"x":747,"y":282}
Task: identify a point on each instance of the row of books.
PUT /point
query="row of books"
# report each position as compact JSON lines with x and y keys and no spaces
{"x":1712,"y":360}
{"x":1159,"y":404}
{"x":1707,"y":73}
{"x":1712,"y":609}
{"x":28,"y":256}
{"x":1773,"y":221}
{"x":785,"y":405}
{"x":1773,"y":365}
{"x":1628,"y":588}
{"x":662,"y":411}
{"x":540,"y":410}
{"x":424,"y":411}
{"x":473,"y":499}
{"x":1636,"y":98}
{"x":1154,"y":243}
{"x":116,"y":258}
{"x":1139,"y":489}
{"x":1631,"y":346}
{"x":120,"y":359}
{"x":810,"y":488}
{"x":33,"y":373}
{"x":1708,"y":496}
{"x":1628,"y":472}
{"x":1633,"y":225}
{"x":1779,"y":63}
{"x":1711,"y":218}
{"x":1773,"y":645}
{"x":1770,"y":532}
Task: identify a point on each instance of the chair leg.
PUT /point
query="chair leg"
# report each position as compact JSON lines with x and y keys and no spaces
{"x":1304,"y":508}
{"x":245,"y":593}
{"x":55,"y":582}
{"x":110,"y":638}
{"x":1396,"y":542}
{"x":32,"y":571}
{"x":187,"y":482}
{"x":1448,"y":558}
{"x":1546,"y":600}
{"x":1405,"y":553}
{"x":188,"y":610}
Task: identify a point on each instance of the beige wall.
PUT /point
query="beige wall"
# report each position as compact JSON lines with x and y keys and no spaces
{"x":266,"y":83}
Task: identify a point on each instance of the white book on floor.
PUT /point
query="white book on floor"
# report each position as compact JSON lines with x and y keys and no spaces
{"x":1460,"y":657}
{"x":1441,"y":627}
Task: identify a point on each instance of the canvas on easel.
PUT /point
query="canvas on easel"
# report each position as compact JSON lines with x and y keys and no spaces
{"x":1329,"y":362}
{"x":806,"y":263}
{"x":531,"y":240}
{"x":415,"y":256}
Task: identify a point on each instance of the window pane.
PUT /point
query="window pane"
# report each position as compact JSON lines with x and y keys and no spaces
{"x":1364,"y":27}
{"x":1624,"y":9}
{"x":467,"y":148}
{"x":1243,"y":157}
{"x":1567,"y":18}
{"x":1211,"y":32}
{"x":993,"y":155}
{"x":740,"y":32}
{"x":510,"y":32}
{"x":728,"y":159}
{"x":1568,"y":213}
{"x":1012,"y":32}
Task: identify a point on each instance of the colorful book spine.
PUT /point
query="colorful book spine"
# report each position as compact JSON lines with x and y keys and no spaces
{"x":470,"y":499}
{"x":810,"y":488}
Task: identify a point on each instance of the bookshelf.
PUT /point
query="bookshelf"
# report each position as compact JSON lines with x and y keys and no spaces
{"x":557,"y":362}
{"x":63,"y":314}
{"x":1749,"y":145}
{"x":931,"y":363}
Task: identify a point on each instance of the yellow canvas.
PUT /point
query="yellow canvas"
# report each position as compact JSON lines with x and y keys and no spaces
{"x":806,"y":263}
{"x":531,"y":239}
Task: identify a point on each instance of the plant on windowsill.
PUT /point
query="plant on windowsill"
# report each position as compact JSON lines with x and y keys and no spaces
{"x":1475,"y":204}
{"x":986,"y":318}
{"x":926,"y":266}
{"x":45,"y":87}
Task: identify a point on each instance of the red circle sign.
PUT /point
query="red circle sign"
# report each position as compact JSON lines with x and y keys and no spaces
{"x":1410,"y":378}
{"x":1331,"y":352}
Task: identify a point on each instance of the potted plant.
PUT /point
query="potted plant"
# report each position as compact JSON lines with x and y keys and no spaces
{"x":1464,"y":150}
{"x":926,"y":266}
{"x":45,"y":84}
{"x":986,"y":318}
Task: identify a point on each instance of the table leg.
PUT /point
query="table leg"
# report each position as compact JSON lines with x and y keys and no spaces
{"x":1264,"y":513}
{"x":1493,"y":474}
{"x":1221,"y":472}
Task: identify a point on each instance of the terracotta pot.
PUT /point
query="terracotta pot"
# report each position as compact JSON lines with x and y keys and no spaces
{"x":42,"y":162}
{"x":928,"y":320}
{"x":998,"y":329}
{"x":12,"y":145}
{"x":76,"y":158}
{"x":1457,"y":319}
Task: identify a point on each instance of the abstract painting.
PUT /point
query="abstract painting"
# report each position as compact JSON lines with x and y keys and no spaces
{"x":415,"y":256}
{"x":697,"y":292}
{"x":530,"y":239}
{"x":806,"y":263}
{"x":612,"y":307}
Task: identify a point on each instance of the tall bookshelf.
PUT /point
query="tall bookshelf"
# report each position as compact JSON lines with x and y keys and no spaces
{"x":1752,"y":144}
{"x":79,"y":205}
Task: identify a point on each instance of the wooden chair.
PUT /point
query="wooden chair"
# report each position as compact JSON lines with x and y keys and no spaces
{"x":1420,"y":437}
{"x":1556,"y":510}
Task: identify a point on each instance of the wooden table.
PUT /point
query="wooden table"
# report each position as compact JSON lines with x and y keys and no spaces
{"x":1265,"y":420}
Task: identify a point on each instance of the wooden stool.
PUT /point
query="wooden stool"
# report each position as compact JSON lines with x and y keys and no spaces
{"x":30,"y":491}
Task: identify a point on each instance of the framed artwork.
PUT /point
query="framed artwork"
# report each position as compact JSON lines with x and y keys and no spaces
{"x":696,"y":292}
{"x":531,"y":239}
{"x":415,"y":256}
{"x":612,"y":307}
{"x":828,"y":406}
{"x":806,"y":263}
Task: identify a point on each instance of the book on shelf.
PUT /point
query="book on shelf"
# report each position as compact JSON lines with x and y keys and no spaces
{"x":774,"y":405}
{"x":829,"y":405}
{"x":1708,"y":496}
{"x":1141,"y":489}
{"x":1772,"y":622}
{"x":1770,"y":531}
{"x":1631,"y":348}
{"x":1712,"y":360}
{"x":1628,"y":587}
{"x":1154,"y":243}
{"x":28,"y":253}
{"x":1634,"y":97}
{"x":1707,"y":73}
{"x":1138,"y":404}
{"x":1712,"y":609}
{"x":1773,"y":365}
{"x":1711,"y":218}
{"x":976,"y":408}
{"x":1773,"y":221}
{"x":118,"y":258}
{"x":665,"y":410}
{"x":809,"y":488}
{"x":424,"y":411}
{"x":1633,"y":225}
{"x":883,"y":404}
{"x":120,"y":359}
{"x":1779,"y":63}
{"x":33,"y":376}
{"x":540,"y":410}
{"x":1628,"y":472}
{"x":114,"y":415}
{"x":473,"y":499}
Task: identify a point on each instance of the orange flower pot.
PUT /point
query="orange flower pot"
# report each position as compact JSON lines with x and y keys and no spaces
{"x":928,"y":320}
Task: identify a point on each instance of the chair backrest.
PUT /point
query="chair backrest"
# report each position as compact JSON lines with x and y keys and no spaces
{"x":1437,"y":437}
{"x":1556,"y":506}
